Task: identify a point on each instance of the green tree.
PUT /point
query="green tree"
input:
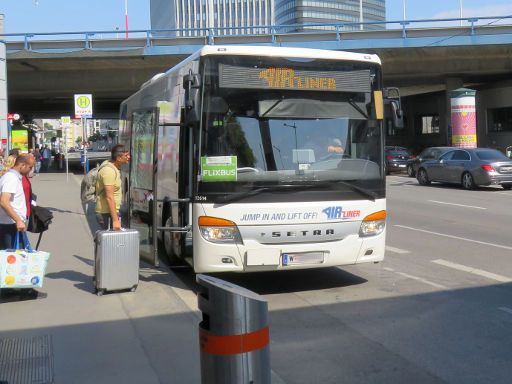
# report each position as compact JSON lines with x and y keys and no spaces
{"x":95,"y":137}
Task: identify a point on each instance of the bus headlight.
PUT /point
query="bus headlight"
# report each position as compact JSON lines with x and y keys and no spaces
{"x":218,"y":230}
{"x":373,"y":224}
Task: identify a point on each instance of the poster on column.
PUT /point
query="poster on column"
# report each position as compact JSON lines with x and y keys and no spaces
{"x":463,"y":113}
{"x":19,"y":140}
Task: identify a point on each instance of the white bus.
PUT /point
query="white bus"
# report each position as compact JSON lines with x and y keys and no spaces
{"x":249,"y":158}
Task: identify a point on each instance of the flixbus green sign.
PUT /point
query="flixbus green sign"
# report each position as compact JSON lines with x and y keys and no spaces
{"x":218,"y":168}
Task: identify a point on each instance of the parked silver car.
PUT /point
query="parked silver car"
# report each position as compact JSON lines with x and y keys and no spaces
{"x":469,"y":167}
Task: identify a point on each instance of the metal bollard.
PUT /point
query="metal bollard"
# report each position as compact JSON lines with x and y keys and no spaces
{"x":234,"y":335}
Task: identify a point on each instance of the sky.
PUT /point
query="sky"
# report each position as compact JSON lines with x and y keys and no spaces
{"x":40,"y":16}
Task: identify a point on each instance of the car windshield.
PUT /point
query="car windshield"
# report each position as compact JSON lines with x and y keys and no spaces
{"x":491,"y":154}
{"x":270,"y":138}
{"x":398,"y":152}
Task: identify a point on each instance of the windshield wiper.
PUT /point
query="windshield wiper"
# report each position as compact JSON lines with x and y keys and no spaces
{"x":273,"y":188}
{"x":370,"y":195}
{"x":272,"y":107}
{"x":357,"y":108}
{"x":241,"y":195}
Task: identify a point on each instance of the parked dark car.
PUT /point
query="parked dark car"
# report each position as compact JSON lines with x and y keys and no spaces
{"x":397,"y":158}
{"x":430,"y":153}
{"x":469,"y":167}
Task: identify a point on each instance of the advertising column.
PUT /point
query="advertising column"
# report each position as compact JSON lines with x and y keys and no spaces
{"x":4,"y":136}
{"x":463,"y":113}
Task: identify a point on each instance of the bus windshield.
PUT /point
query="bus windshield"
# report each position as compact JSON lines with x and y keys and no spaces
{"x":307,"y":128}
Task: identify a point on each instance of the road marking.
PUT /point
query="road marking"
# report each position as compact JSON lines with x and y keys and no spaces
{"x":396,"y":250}
{"x":474,"y":271}
{"x":420,"y":279}
{"x":505,"y":309}
{"x":457,"y":205}
{"x":455,"y":237}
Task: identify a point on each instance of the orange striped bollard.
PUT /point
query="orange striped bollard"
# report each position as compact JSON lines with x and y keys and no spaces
{"x":234,"y":335}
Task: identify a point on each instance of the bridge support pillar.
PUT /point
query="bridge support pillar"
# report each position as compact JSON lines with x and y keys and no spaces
{"x":452,"y":83}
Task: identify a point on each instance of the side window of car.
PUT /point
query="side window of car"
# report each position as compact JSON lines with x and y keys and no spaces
{"x":460,"y":155}
{"x":447,"y":156}
{"x":434,"y":154}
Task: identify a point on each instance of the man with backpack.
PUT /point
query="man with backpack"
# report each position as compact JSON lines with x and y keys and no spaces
{"x":108,"y":188}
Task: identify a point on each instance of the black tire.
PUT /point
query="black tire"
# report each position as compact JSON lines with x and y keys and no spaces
{"x":423,"y":177}
{"x":168,"y":247}
{"x":410,"y":171}
{"x":506,"y":186}
{"x":467,"y":181}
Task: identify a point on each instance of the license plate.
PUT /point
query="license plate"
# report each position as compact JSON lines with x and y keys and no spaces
{"x":303,"y":258}
{"x":402,"y":165}
{"x":506,"y":169}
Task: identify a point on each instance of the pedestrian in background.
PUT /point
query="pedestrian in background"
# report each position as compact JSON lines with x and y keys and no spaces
{"x":108,"y":188}
{"x":37,"y":157}
{"x":46,"y":158}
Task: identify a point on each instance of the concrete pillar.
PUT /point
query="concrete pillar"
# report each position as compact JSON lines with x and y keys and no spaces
{"x":4,"y":138}
{"x":452,"y":83}
{"x":463,"y":116}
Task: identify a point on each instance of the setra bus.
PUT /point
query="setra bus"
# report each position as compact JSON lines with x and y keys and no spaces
{"x":248,"y":158}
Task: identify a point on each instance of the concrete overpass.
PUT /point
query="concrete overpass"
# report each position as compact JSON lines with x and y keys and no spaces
{"x":45,"y":70}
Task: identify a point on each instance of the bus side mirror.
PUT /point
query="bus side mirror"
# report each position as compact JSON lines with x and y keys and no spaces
{"x":192,"y":102}
{"x":397,"y":114}
{"x":393,"y":107}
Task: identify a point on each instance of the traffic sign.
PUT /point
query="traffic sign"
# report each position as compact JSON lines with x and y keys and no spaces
{"x":83,"y":106}
{"x":65,"y":120}
{"x":13,"y":116}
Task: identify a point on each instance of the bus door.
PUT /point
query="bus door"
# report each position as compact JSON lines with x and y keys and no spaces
{"x":173,"y":181}
{"x":143,"y":180}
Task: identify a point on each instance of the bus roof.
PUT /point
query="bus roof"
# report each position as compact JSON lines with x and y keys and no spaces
{"x":307,"y":53}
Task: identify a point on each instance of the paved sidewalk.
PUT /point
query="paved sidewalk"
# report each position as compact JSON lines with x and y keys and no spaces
{"x":149,"y":336}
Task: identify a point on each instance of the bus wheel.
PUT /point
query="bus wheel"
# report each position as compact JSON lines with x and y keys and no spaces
{"x":169,"y":246}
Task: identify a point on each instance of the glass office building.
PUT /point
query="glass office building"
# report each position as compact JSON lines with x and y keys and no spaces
{"x":194,"y":17}
{"x":291,"y":12}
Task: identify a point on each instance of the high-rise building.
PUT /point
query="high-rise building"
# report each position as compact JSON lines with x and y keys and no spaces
{"x":228,"y":17}
{"x":292,"y":12}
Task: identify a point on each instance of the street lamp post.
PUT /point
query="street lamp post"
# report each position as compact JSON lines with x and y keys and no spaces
{"x":361,"y":15}
{"x":460,"y":11}
{"x":126,"y":18}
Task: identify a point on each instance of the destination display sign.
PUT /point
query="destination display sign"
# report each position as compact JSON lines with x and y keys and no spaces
{"x":231,"y":76}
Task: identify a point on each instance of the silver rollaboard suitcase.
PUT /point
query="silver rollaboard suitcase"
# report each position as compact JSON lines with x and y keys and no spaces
{"x":116,"y":260}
